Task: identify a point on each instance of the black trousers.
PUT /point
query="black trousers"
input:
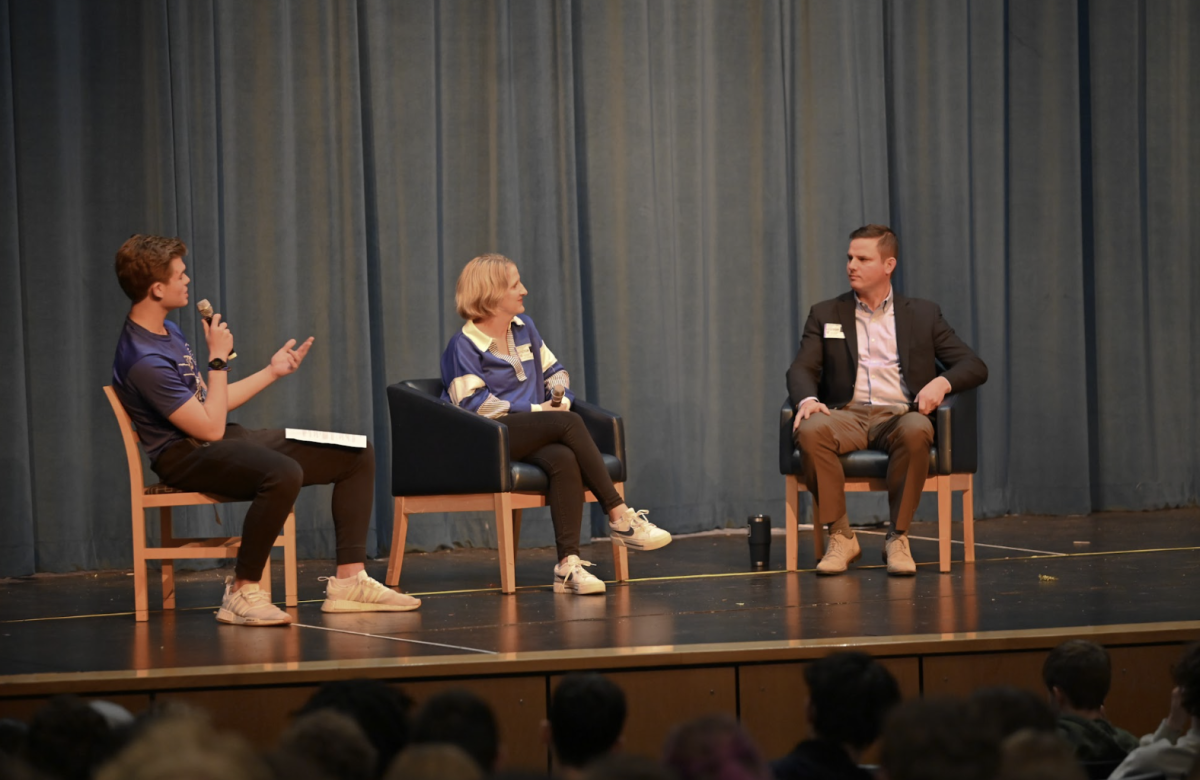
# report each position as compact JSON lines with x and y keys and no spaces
{"x":559,"y":444}
{"x":268,"y":470}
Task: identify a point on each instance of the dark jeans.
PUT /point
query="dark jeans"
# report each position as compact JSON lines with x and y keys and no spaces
{"x":268,"y":469}
{"x":559,"y":444}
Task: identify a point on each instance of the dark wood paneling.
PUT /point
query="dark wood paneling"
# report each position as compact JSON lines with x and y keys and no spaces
{"x":23,"y":709}
{"x":1141,"y":686}
{"x":260,"y":714}
{"x":520,"y":707}
{"x":658,"y":700}
{"x":773,"y":698}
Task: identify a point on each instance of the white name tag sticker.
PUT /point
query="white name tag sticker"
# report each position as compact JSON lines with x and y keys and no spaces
{"x":833,"y":330}
{"x":327,"y":437}
{"x":524,"y":352}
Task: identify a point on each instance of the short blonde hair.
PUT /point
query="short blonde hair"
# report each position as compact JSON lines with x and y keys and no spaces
{"x":481,"y":285}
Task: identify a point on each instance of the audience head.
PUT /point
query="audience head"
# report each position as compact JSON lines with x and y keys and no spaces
{"x":587,"y":714}
{"x":1003,"y":710}
{"x":938,"y":739}
{"x":434,"y":761}
{"x":1078,"y":674}
{"x":185,"y":746}
{"x":850,"y":695}
{"x":144,"y":260}
{"x":481,"y":285}
{"x":68,"y":739}
{"x":1187,"y":678}
{"x":1038,"y":755}
{"x":714,"y":747}
{"x":379,"y":709}
{"x":459,"y":717}
{"x":333,"y":743}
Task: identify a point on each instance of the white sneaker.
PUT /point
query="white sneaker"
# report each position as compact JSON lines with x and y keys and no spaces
{"x":360,"y":593}
{"x":250,"y":606}
{"x":639,"y":533}
{"x":571,"y":577}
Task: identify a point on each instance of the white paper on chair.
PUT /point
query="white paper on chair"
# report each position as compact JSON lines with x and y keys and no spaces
{"x":327,"y":437}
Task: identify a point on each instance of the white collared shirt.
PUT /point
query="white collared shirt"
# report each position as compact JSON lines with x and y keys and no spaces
{"x":879,"y":381}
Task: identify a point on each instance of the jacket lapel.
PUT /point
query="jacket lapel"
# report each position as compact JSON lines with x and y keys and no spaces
{"x":903,"y":332}
{"x":845,"y":312}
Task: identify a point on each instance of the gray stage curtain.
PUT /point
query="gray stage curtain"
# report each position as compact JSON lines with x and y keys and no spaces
{"x":676,"y":182}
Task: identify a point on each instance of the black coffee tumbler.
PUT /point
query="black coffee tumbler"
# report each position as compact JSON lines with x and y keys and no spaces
{"x":760,"y":541}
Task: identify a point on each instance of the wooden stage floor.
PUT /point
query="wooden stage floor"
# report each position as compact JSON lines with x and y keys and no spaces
{"x":1033,"y":573}
{"x":1124,"y":579}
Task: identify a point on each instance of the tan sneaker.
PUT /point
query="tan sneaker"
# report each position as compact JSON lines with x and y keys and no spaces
{"x":897,"y":556}
{"x":841,"y":552}
{"x":250,"y":606}
{"x":360,"y":593}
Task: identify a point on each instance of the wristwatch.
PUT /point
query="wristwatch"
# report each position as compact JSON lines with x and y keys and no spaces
{"x":216,"y":364}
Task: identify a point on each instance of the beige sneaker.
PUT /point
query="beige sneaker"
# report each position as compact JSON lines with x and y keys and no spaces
{"x":571,"y":577}
{"x":841,"y":552}
{"x":360,"y":593}
{"x":250,"y":606}
{"x":897,"y":556}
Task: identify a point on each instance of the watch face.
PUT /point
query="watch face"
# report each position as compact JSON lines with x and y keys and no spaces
{"x":216,"y":364}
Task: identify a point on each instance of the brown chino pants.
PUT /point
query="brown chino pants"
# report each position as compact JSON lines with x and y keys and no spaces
{"x":905,"y":436}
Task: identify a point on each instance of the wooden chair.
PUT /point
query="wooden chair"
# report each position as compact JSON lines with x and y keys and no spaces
{"x":144,"y":497}
{"x":953,"y":460}
{"x":446,"y":459}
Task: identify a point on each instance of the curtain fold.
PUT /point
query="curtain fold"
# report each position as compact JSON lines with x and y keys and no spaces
{"x":676,"y":182}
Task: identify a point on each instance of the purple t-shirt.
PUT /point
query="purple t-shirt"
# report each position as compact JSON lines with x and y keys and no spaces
{"x":155,"y":375}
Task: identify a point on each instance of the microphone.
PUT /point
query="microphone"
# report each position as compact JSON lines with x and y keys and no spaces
{"x":556,"y":395}
{"x":206,"y":311}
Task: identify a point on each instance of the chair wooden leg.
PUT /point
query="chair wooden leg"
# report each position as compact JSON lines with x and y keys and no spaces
{"x":168,"y":565}
{"x":792,"y":522}
{"x":291,"y":590}
{"x":504,"y":542}
{"x":399,"y":537}
{"x":516,"y":531}
{"x":141,"y":595}
{"x":968,"y":504}
{"x":620,"y":553}
{"x":944,"y":494}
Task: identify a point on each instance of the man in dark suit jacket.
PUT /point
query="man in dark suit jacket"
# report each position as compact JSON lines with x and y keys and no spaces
{"x":867,"y":359}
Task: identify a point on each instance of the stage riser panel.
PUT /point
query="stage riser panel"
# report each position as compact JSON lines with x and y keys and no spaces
{"x":769,"y":698}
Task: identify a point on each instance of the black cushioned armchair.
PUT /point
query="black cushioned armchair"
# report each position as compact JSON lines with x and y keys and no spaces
{"x":953,"y":459}
{"x":446,"y":459}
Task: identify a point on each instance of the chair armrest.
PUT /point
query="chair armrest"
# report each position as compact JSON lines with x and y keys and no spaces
{"x":438,"y":448}
{"x":607,"y":430}
{"x":954,"y":425}
{"x":787,"y":445}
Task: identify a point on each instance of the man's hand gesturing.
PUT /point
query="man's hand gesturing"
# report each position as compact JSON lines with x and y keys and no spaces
{"x":287,"y":359}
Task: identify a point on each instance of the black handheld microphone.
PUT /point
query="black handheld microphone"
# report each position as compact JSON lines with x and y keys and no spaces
{"x":556,"y":395}
{"x":206,"y":311}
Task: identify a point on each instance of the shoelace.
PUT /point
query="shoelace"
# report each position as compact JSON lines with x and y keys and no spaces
{"x":639,"y":519}
{"x":577,"y":568}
